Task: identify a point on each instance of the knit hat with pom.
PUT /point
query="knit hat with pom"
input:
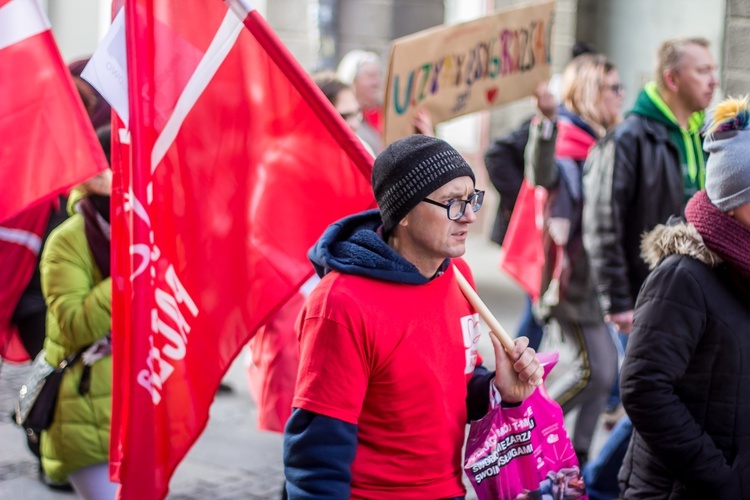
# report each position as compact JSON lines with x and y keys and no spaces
{"x":728,"y":144}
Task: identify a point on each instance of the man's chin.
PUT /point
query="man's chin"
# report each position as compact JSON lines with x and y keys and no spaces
{"x":457,"y":250}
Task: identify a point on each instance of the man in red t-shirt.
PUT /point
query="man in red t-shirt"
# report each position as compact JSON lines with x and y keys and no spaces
{"x":388,"y":374}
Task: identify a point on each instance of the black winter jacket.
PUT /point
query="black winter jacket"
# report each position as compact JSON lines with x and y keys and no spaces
{"x":685,"y":381}
{"x":632,"y":182}
{"x":504,"y":160}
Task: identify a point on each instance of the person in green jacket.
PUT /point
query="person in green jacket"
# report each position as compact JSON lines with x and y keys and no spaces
{"x":645,"y":171}
{"x":77,"y":288}
{"x":636,"y":178}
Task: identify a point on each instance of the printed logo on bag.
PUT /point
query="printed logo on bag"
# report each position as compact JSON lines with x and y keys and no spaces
{"x":524,"y":452}
{"x":505,"y":444}
{"x":471,"y":332}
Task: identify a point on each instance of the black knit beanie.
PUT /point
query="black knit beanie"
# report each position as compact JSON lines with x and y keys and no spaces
{"x":408,"y":170}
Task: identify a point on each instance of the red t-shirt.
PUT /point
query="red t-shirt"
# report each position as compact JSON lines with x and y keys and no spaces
{"x":374,"y":116}
{"x":393,"y":359}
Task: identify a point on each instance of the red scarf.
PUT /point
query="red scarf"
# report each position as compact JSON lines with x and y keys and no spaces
{"x":720,"y":232}
{"x":572,"y":141}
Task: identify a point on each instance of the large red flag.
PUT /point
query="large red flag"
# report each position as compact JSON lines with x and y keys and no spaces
{"x":47,"y":143}
{"x":237,"y":164}
{"x":20,"y":243}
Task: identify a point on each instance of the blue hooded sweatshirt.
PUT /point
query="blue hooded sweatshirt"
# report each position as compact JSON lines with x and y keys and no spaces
{"x":319,"y":450}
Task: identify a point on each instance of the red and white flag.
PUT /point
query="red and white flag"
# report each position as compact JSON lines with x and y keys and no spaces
{"x":20,"y":243}
{"x":47,"y":143}
{"x":237,"y":164}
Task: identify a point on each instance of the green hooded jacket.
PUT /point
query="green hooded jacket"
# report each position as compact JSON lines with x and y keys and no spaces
{"x":687,"y":141}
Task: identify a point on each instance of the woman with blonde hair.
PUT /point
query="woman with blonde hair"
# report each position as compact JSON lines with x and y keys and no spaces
{"x":558,"y":145}
{"x":592,"y":90}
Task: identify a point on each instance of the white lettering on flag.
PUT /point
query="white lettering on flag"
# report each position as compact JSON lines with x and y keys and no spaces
{"x":107,"y":70}
{"x":167,"y":319}
{"x":170,"y":318}
{"x":21,"y":19}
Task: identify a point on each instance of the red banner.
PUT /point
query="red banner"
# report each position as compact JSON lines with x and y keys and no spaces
{"x":20,"y":243}
{"x":522,"y":254}
{"x":48,"y":143}
{"x":237,"y":164}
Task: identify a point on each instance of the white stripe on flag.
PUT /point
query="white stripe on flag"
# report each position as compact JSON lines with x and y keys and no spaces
{"x":223,"y":41}
{"x":21,"y":19}
{"x":21,"y":237}
{"x":240,"y":7}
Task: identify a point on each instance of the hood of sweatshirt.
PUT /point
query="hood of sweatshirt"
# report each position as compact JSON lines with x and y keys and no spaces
{"x":355,"y":245}
{"x":650,"y":104}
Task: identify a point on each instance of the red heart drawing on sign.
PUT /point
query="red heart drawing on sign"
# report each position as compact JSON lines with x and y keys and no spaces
{"x":491,"y":94}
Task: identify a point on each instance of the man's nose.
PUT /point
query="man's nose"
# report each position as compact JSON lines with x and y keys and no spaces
{"x":469,"y":215}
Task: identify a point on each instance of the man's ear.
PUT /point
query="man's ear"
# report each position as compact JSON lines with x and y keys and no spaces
{"x":404,"y":222}
{"x":670,"y":80}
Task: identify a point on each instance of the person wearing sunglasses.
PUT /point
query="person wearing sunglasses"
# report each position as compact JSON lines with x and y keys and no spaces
{"x":389,"y":372}
{"x":558,"y":145}
{"x":273,"y":351}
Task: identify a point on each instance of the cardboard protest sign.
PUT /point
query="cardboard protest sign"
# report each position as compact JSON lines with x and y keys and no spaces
{"x":454,"y":70}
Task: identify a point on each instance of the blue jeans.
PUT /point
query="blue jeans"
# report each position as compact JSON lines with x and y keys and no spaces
{"x":600,"y":474}
{"x":614,"y":397}
{"x":529,"y":327}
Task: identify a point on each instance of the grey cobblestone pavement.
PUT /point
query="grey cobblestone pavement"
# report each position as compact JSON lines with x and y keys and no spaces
{"x":231,"y":459}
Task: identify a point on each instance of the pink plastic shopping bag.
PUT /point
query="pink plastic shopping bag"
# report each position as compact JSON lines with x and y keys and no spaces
{"x":524,"y":452}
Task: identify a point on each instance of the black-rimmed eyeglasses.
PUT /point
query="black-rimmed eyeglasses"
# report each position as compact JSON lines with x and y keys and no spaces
{"x":456,"y":208}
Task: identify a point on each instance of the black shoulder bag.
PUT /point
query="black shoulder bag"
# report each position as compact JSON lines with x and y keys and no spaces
{"x":35,"y":406}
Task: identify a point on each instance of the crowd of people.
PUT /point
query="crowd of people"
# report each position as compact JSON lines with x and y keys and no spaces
{"x":609,"y":182}
{"x":639,"y":211}
{"x":646,"y":226}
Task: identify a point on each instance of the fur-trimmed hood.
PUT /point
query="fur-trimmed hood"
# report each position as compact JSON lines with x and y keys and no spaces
{"x":676,"y":238}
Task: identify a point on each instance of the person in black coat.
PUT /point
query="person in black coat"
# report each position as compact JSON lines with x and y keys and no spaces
{"x":686,"y":373}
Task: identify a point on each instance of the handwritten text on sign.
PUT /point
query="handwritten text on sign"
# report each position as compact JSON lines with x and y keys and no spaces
{"x":455,"y":70}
